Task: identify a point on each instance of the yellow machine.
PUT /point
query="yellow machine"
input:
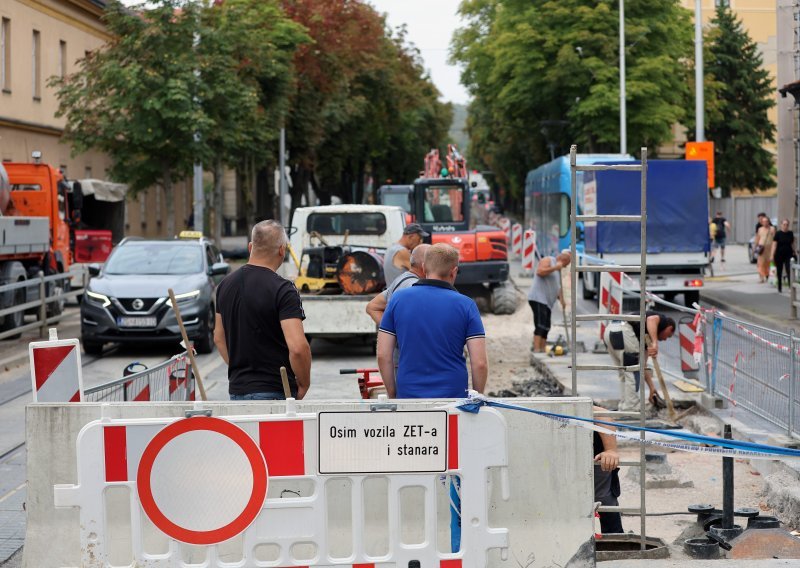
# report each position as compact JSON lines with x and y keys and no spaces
{"x":320,"y":271}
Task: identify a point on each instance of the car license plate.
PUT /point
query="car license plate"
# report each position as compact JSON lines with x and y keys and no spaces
{"x":136,"y":322}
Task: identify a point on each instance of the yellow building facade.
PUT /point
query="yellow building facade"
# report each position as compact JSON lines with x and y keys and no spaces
{"x":40,"y":39}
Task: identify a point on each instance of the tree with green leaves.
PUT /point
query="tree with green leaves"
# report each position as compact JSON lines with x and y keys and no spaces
{"x":545,"y":74}
{"x":136,"y":98}
{"x":245,"y":53}
{"x":739,"y":93}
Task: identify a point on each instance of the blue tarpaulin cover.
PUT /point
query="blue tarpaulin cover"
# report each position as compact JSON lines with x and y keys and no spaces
{"x":677,"y":208}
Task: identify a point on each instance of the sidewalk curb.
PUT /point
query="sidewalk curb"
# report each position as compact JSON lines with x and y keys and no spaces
{"x":739,"y":312}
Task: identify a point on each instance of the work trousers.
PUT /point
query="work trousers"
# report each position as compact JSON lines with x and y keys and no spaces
{"x":606,"y":490}
{"x":782,"y":264}
{"x":623,"y":346}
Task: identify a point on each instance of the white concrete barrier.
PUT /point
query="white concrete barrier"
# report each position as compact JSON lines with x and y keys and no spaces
{"x":549,"y":515}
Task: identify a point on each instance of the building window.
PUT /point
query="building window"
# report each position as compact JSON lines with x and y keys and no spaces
{"x":5,"y":55}
{"x":36,"y":65}
{"x":62,"y":59}
{"x":719,"y":3}
{"x":87,"y":172}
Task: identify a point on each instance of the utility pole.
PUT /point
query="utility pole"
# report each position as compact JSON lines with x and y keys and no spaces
{"x":699,"y":103}
{"x":623,"y":111}
{"x":197,"y":180}
{"x":282,"y":179}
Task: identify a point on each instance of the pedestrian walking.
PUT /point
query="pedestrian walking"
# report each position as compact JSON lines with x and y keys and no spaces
{"x":398,"y":256}
{"x":783,"y":252}
{"x":622,"y":341}
{"x":722,"y":226}
{"x":542,"y":295}
{"x":763,"y":250}
{"x":259,"y":323}
{"x":431,"y":323}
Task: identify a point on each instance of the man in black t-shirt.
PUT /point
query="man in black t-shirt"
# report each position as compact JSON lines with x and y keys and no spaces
{"x":259,"y":325}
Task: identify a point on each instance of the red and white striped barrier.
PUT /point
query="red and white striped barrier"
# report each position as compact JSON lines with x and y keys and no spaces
{"x":610,"y":295}
{"x":152,"y":458}
{"x":516,"y":239}
{"x":56,"y":370}
{"x":528,"y":251}
{"x":505,"y":224}
{"x":686,"y":332}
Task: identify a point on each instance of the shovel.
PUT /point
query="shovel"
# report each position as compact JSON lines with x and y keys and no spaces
{"x":662,"y":382}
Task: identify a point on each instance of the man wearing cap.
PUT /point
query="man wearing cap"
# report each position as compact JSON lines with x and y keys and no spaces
{"x":398,"y":256}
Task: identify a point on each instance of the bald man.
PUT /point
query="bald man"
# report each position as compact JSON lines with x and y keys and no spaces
{"x":377,"y":305}
{"x":259,"y":323}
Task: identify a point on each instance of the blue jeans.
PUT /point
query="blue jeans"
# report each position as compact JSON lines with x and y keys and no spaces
{"x":259,"y":396}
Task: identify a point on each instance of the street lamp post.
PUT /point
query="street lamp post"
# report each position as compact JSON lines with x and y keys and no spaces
{"x":623,"y":119}
{"x":699,"y":104}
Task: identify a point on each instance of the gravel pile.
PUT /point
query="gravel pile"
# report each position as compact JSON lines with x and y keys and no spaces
{"x":530,"y":387}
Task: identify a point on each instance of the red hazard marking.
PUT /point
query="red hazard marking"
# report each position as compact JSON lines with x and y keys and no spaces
{"x":613,"y":306}
{"x":76,"y":397}
{"x":452,"y":442}
{"x":115,"y":443}
{"x":616,"y":276}
{"x":282,"y":444}
{"x":604,"y":297}
{"x":456,"y":563}
{"x":687,"y":343}
{"x":251,"y":451}
{"x":46,"y":360}
{"x":363,"y":566}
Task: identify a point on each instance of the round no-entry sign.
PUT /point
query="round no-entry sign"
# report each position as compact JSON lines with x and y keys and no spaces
{"x":202,"y":480}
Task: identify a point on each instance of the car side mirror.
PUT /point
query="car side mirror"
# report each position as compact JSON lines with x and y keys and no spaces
{"x":219,"y":269}
{"x":94,"y":269}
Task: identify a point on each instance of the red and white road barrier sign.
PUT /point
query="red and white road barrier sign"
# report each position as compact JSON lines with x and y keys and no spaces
{"x":686,"y":332}
{"x":56,"y":370}
{"x":505,"y":224}
{"x":203,"y":481}
{"x":528,"y":251}
{"x":516,"y":239}
{"x":610,"y":295}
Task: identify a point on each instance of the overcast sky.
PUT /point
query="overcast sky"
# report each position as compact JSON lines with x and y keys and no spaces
{"x":431,"y":24}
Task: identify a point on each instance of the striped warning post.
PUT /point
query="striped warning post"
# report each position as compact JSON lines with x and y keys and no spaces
{"x":610,"y":295}
{"x":505,"y":224}
{"x":516,"y":239}
{"x":56,"y":370}
{"x":686,"y":332}
{"x":528,"y":251}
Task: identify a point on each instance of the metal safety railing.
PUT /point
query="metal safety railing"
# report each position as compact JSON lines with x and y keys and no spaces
{"x":754,"y":368}
{"x":49,"y":294}
{"x":171,"y":380}
{"x":794,"y":285}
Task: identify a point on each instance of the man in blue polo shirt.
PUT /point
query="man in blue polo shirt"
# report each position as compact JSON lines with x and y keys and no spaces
{"x":431,"y":322}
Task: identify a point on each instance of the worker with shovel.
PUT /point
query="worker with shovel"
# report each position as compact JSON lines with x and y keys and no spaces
{"x":542,"y":296}
{"x":622,"y":341}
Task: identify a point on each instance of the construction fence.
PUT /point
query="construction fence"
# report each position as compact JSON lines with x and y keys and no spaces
{"x":753,"y":368}
{"x":171,"y":380}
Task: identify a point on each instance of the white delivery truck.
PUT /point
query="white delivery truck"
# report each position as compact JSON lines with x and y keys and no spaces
{"x":338,"y":265}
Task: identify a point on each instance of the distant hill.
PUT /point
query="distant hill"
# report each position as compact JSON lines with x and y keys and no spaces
{"x":458,"y":129}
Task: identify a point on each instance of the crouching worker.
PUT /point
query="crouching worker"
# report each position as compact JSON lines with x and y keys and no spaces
{"x":606,"y":478}
{"x":622,"y":341}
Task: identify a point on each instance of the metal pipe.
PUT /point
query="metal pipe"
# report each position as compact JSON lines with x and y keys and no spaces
{"x":642,"y":335}
{"x":573,"y":273}
{"x":792,"y":378}
{"x":727,"y":485}
{"x":282,"y":179}
{"x":700,"y":128}
{"x":623,"y":111}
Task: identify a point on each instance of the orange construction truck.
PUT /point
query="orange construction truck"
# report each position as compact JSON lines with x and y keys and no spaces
{"x":41,"y":230}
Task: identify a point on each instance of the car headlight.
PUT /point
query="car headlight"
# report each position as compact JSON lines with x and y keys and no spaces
{"x":186,"y":296}
{"x":102,"y":299}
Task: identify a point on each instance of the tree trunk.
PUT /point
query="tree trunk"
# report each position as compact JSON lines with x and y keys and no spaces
{"x":169,"y":199}
{"x":217,"y":202}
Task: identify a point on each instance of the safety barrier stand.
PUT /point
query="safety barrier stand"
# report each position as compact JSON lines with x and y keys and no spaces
{"x":528,"y":252}
{"x":171,"y":468}
{"x":56,"y":369}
